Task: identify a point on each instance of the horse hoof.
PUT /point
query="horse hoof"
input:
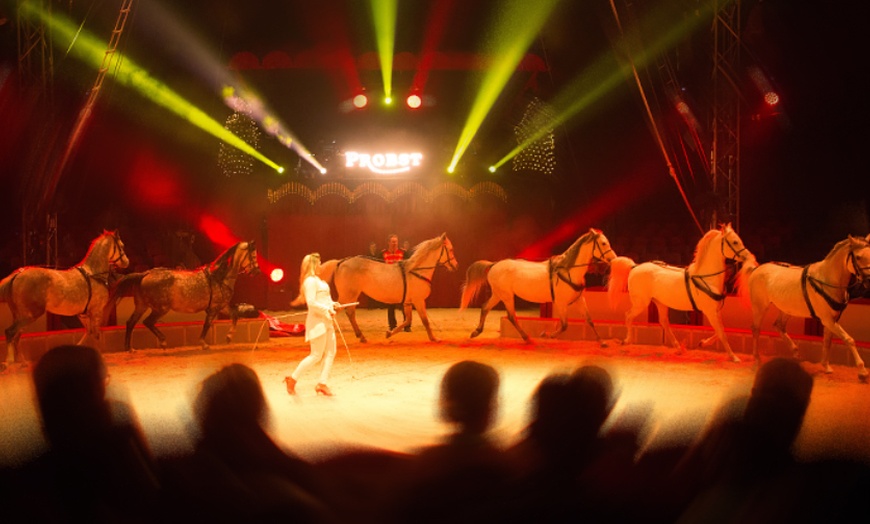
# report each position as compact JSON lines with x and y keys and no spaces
{"x":474,"y":333}
{"x":363,"y":340}
{"x":604,"y":344}
{"x":389,"y":334}
{"x":735,"y":359}
{"x":862,"y":378}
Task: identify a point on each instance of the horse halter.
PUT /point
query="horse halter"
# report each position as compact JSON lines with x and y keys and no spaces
{"x":249,"y":262}
{"x":119,"y":250}
{"x":602,"y":253}
{"x":736,"y":253}
{"x":862,"y":273}
{"x":451,"y":262}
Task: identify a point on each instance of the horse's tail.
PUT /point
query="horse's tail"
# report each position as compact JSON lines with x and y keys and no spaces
{"x":618,"y":281}
{"x":126,"y":286}
{"x":742,"y":284}
{"x":475,"y":280}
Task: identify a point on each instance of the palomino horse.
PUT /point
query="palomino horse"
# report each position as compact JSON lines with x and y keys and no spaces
{"x":82,"y":290}
{"x":819,"y":290}
{"x":699,"y":287}
{"x":407,"y":282}
{"x":560,"y":280}
{"x":209,"y":288}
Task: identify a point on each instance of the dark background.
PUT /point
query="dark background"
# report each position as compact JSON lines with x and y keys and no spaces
{"x":803,"y":169}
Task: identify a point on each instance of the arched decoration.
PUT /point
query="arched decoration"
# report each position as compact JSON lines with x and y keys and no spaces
{"x":277,"y":60}
{"x":405,"y":61}
{"x":369,"y":61}
{"x":243,"y":61}
{"x":389,"y":195}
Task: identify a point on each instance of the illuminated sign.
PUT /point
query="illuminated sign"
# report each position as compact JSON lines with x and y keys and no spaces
{"x":383,"y":163}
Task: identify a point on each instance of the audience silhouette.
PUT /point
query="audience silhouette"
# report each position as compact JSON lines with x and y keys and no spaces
{"x":98,"y":467}
{"x":461,"y":479}
{"x":579,"y":459}
{"x":237,"y":472}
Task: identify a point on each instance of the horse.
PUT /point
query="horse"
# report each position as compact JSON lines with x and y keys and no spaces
{"x":81,"y":290}
{"x":818,"y":290}
{"x":208,"y":288}
{"x":407,"y":282}
{"x":561,"y":280}
{"x":698,"y":287}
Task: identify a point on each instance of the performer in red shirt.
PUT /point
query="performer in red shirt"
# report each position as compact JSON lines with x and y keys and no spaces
{"x":391,"y":255}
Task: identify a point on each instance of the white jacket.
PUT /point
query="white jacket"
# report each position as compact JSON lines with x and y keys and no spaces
{"x":320,"y":307}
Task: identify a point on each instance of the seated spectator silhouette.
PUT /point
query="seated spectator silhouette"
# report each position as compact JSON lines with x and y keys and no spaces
{"x":237,"y":473}
{"x":98,"y":467}
{"x":755,"y":475}
{"x":462,"y":479}
{"x":561,"y":440}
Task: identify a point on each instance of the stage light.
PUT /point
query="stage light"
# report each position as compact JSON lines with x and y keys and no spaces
{"x":414,"y":101}
{"x":771,"y":98}
{"x":450,"y":169}
{"x":388,"y":100}
{"x":492,"y":169}
{"x":360,"y":101}
{"x":322,"y":170}
{"x":277,"y":275}
{"x":281,"y":169}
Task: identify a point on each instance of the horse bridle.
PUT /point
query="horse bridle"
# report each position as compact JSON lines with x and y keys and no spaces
{"x":734,"y":251}
{"x":860,"y":271}
{"x":568,"y":280}
{"x":252,"y":265}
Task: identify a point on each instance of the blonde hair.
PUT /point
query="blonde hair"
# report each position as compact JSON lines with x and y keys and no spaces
{"x":307,"y":269}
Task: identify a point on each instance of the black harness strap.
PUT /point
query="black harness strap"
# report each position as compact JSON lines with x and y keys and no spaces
{"x":207,"y":274}
{"x":705,"y":288}
{"x":689,"y":289}
{"x":838,"y":307}
{"x":90,"y":292}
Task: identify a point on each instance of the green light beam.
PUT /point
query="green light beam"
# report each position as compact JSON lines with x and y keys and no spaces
{"x":384,"y":18}
{"x":518,"y":25}
{"x":91,"y":50}
{"x":601,"y":78}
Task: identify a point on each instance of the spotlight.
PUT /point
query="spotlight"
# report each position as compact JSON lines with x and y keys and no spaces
{"x":322,"y":170}
{"x":492,"y":169}
{"x":771,"y":98}
{"x":360,"y":101}
{"x":277,"y":275}
{"x":388,"y":100}
{"x":414,"y":101}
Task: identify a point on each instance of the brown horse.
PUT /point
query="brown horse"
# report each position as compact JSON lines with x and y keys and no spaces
{"x":81,"y":290}
{"x":408,"y":282}
{"x":209,"y":288}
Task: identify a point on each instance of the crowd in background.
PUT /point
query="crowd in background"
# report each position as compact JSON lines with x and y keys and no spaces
{"x":571,"y":464}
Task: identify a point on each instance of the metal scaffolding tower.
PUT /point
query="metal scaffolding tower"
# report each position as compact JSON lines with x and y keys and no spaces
{"x":725,"y":123}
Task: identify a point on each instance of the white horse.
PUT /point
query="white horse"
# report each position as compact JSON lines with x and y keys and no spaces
{"x":560,"y":280}
{"x":407,"y":282}
{"x":699,"y":287}
{"x":818,"y":290}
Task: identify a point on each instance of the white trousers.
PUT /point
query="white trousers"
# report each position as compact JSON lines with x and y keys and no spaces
{"x":322,"y":348}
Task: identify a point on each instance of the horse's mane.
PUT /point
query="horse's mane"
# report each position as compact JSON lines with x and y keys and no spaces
{"x":422,"y":249}
{"x":701,"y":248}
{"x":221,"y":265}
{"x":97,"y":241}
{"x":570,"y":255}
{"x":837,"y":248}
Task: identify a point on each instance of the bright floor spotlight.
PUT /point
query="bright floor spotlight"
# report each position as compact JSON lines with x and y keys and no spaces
{"x":360,"y":101}
{"x":388,"y":100}
{"x":414,"y":101}
{"x":771,"y":98}
{"x":322,"y":170}
{"x":277,"y":275}
{"x":281,"y":169}
{"x":492,"y":169}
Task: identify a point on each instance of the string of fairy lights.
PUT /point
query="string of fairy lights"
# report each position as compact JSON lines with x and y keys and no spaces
{"x":232,"y":161}
{"x":540,"y":155}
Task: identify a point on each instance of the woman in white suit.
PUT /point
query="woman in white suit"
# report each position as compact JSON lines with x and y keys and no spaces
{"x":319,"y":327}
